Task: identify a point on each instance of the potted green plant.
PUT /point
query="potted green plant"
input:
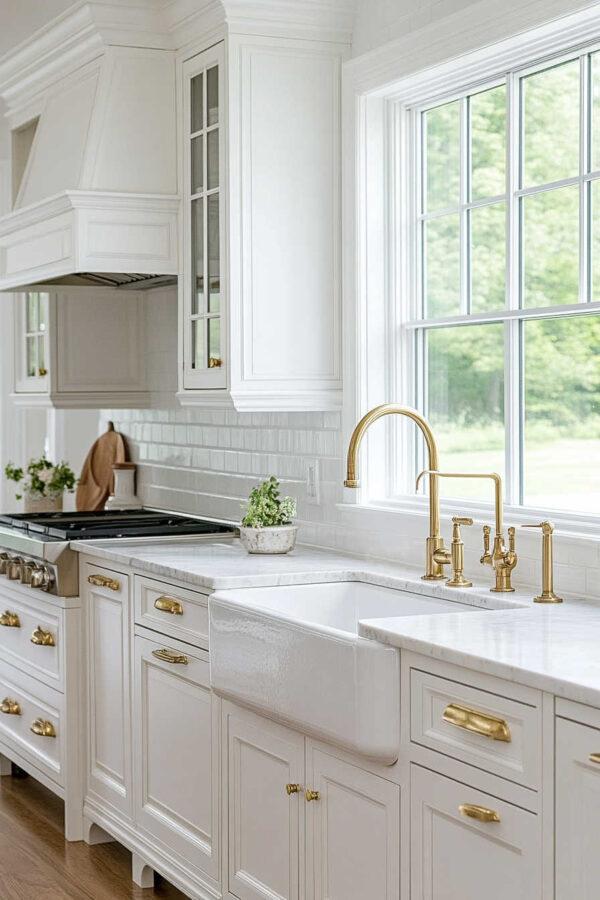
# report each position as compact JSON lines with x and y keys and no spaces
{"x":267,"y":526}
{"x":42,"y":484}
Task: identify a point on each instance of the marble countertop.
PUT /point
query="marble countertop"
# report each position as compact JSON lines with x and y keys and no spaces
{"x":555,"y":648}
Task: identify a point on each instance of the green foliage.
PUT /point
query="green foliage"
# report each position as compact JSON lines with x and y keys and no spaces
{"x":266,"y":509}
{"x":44,"y":479}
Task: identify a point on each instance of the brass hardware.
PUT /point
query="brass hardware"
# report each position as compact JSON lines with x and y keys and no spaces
{"x":10,"y":619}
{"x":43,"y":638}
{"x":10,"y":707}
{"x":547,"y":595}
{"x":104,"y":581}
{"x":4,"y":559}
{"x":481,"y":813}
{"x":170,"y":656}
{"x":168,"y":605}
{"x":477,"y":722}
{"x":214,"y":362}
{"x":43,"y":728}
{"x":434,"y":570}
{"x":457,"y":554}
{"x":42,"y":371}
{"x":595,"y":758}
{"x":503,"y":561}
{"x":293,"y":789}
{"x":41,"y":577}
{"x":312,"y":795}
{"x":13,"y":569}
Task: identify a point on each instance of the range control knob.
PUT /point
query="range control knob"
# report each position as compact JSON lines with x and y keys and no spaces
{"x":4,"y":558}
{"x":42,"y":577}
{"x":13,"y":569}
{"x":27,"y":569}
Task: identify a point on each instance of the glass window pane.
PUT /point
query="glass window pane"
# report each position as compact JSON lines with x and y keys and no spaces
{"x":199,"y":344}
{"x":197,"y":165}
{"x":214,"y":343}
{"x":442,"y":163}
{"x":442,"y":266}
{"x":214,"y":254}
{"x":212,"y":95}
{"x":562,"y":413}
{"x":595,"y":112}
{"x":551,"y":247}
{"x":465,"y":403}
{"x":551,"y":124}
{"x":33,"y":311}
{"x":42,"y":311}
{"x":198,"y":256}
{"x":488,"y":257}
{"x":41,"y":355}
{"x":31,"y":356}
{"x":595,"y":238}
{"x":212,"y":162}
{"x":196,"y":104}
{"x":488,"y":143}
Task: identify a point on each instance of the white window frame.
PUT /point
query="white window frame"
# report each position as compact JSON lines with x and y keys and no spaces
{"x":380,"y":166}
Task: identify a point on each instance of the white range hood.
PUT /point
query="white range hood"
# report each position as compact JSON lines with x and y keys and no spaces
{"x":94,"y":176}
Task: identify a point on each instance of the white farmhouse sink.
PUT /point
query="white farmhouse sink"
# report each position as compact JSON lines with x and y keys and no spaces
{"x":294,"y":653}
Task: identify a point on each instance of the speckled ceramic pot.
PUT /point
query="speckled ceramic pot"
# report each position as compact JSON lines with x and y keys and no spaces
{"x":281,"y":539}
{"x":37,"y":504}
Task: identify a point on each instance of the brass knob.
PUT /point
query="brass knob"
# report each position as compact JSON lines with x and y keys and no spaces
{"x":480,"y":813}
{"x":595,"y":758}
{"x":10,"y":707}
{"x":43,"y":638}
{"x":293,"y":789}
{"x":4,"y":558}
{"x":312,"y":795}
{"x":13,"y":569}
{"x":41,"y":577}
{"x":168,"y":605}
{"x":43,"y":728}
{"x":10,"y":619}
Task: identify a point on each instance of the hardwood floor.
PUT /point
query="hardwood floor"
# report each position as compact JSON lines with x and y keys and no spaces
{"x":36,"y":863}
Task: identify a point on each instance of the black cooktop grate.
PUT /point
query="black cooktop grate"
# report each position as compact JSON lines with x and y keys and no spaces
{"x":111,"y":524}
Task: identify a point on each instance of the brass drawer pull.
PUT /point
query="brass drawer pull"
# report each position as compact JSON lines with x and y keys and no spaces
{"x":10,"y":620}
{"x":10,"y":707}
{"x":595,"y":758}
{"x":43,"y":638}
{"x":43,"y":728}
{"x":477,"y":722}
{"x":170,"y":656}
{"x":312,"y":795}
{"x":104,"y":581}
{"x":481,"y":813}
{"x":168,"y":605}
{"x":293,"y":789}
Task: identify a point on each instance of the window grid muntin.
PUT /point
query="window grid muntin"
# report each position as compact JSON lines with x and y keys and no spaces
{"x":514,"y":313}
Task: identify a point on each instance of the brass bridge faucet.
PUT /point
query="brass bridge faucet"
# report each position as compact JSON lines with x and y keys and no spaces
{"x":501,"y":559}
{"x":434,"y":570}
{"x":547,"y":595}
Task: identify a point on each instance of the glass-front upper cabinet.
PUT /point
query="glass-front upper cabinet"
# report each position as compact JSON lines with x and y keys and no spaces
{"x":31,"y":342}
{"x":203,"y":283}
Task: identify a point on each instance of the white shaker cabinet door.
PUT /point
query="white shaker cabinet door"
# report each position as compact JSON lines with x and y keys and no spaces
{"x":457,"y":857}
{"x":577,"y":811}
{"x":176,"y":750}
{"x":353,"y":832}
{"x":265,"y":821}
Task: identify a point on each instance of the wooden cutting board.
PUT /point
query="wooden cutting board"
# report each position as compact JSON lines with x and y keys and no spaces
{"x":96,"y":480}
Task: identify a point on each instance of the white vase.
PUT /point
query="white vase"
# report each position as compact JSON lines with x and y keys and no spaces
{"x":37,"y":504}
{"x":279,"y":539}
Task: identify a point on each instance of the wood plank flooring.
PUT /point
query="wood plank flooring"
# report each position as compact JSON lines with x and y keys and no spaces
{"x":36,"y":863}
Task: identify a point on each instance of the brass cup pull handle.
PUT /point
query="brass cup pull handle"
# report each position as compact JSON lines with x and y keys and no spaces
{"x":43,"y":638}
{"x":10,"y":707}
{"x":477,"y":722}
{"x":293,"y":789}
{"x":312,"y":795}
{"x":170,"y":656}
{"x":104,"y":581}
{"x":43,"y":728}
{"x":480,"y":813}
{"x":169,"y":605}
{"x":595,"y":758}
{"x":10,"y":620}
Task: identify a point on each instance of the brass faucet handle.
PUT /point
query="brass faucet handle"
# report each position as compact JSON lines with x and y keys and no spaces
{"x":462,"y":520}
{"x":486,"y":559}
{"x":511,"y":539}
{"x":547,"y":527}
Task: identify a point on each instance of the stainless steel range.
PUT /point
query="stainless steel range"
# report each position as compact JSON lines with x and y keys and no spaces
{"x":35,"y":548}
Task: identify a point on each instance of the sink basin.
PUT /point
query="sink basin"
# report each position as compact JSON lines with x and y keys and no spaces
{"x":294,"y":653}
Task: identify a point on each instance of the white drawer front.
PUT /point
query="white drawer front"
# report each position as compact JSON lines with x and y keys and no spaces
{"x":175,"y":611}
{"x":31,"y":637}
{"x":494,"y":733}
{"x":31,"y":717}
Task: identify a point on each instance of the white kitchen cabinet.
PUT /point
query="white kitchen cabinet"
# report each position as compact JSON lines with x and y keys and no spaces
{"x":260,"y":290}
{"x":577,"y":810}
{"x":106,"y":604}
{"x":265,"y":821}
{"x":79,"y":349}
{"x":352,"y":831}
{"x":176,"y":751}
{"x":456,"y":855}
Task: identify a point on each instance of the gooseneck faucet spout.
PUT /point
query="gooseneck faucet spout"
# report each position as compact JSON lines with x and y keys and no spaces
{"x":434,"y":570}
